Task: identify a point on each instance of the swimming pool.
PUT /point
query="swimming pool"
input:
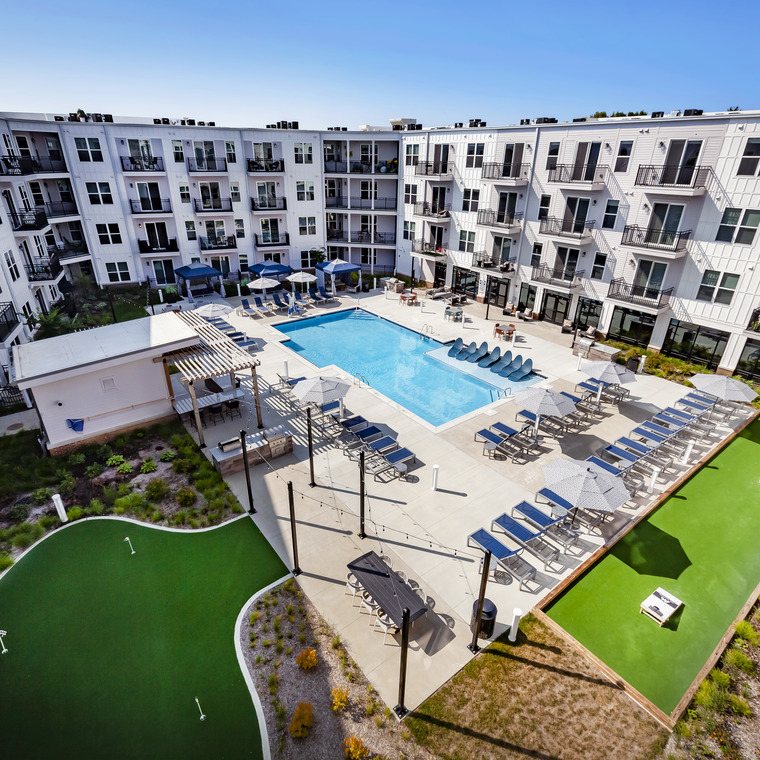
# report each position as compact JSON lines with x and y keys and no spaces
{"x":393,"y":360}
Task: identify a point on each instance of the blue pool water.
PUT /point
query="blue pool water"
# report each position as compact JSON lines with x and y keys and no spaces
{"x":393,"y":360}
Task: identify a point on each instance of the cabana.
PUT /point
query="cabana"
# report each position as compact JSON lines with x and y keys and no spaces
{"x":198,"y":271}
{"x":338,"y":270}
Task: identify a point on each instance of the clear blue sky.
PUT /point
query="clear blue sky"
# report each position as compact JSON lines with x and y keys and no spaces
{"x":344,"y":63}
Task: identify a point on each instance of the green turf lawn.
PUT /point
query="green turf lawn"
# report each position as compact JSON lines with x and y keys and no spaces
{"x":701,"y":545}
{"x":107,"y":651}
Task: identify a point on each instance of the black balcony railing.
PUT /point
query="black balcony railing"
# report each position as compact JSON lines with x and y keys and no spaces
{"x":68,"y":249}
{"x":151,"y":206}
{"x":486,"y":260}
{"x":558,"y":276}
{"x":430,"y":247}
{"x":566,"y":227}
{"x":434,"y":169}
{"x":492,"y":218}
{"x":269,"y":238}
{"x":8,"y":320}
{"x":270,"y":203}
{"x":339,"y":202}
{"x":264,"y":165}
{"x":360,"y":167}
{"x":29,"y":220}
{"x":206,"y":205}
{"x":336,"y":167}
{"x":378,"y":204}
{"x":641,"y":295}
{"x":43,"y":269}
{"x":673,"y":176}
{"x":506,"y":171}
{"x":207,"y":164}
{"x":21,"y":165}
{"x":337,"y":236}
{"x":590,"y":174}
{"x":61,"y":208}
{"x":217,"y":242}
{"x":142,"y":164}
{"x":437,"y":210}
{"x":162,"y":246}
{"x":377,"y":238}
{"x":659,"y":239}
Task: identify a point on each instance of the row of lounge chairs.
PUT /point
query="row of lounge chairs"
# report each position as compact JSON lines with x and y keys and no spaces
{"x":504,"y":365}
{"x":277,"y":304}
{"x":614,"y":393}
{"x":242,"y":340}
{"x":501,"y":440}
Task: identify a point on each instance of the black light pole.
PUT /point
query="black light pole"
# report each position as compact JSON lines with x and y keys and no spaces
{"x":312,"y":484}
{"x":110,"y":301}
{"x":251,"y":508}
{"x":296,"y":568}
{"x":362,"y":534}
{"x":473,"y":645}
{"x":488,"y":297}
{"x":400,"y":708}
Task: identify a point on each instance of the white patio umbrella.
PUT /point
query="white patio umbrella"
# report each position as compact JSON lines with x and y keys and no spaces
{"x":544,"y":402}
{"x":321,"y":390}
{"x":609,"y":372}
{"x":263,"y":283}
{"x":213,"y":310}
{"x":724,"y":387}
{"x":585,"y":485}
{"x":303,"y":277}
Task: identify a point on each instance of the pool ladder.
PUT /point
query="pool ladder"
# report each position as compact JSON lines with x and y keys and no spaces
{"x":426,"y":330}
{"x":505,"y":393}
{"x":359,"y":379}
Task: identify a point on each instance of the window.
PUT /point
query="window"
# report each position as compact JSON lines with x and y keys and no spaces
{"x":307,"y":225}
{"x":184,"y":192}
{"x":303,"y":153}
{"x":409,"y":228}
{"x":235,"y":192}
{"x":466,"y":241}
{"x":410,"y":193}
{"x":27,"y":309}
{"x":37,"y":196}
{"x":369,"y":256}
{"x":470,"y":200}
{"x":262,"y":151}
{"x":552,"y":155}
{"x":12,"y":264}
{"x":610,"y":215}
{"x":99,"y":192}
{"x":117,"y":271}
{"x":229,"y":147}
{"x":305,"y":191}
{"x":600,"y":262}
{"x":243,"y":262}
{"x":748,"y":228}
{"x":535,"y":254}
{"x":728,"y":226}
{"x":239,"y":228}
{"x":716,"y":288}
{"x":543,"y":206}
{"x":624,"y":155}
{"x":412,"y":155}
{"x":88,"y":148}
{"x":475,"y":155}
{"x":108,"y":234}
{"x":751,"y":158}
{"x":179,"y":154}
{"x":190,"y":230}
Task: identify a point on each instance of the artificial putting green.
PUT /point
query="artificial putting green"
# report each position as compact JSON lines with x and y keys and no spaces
{"x":107,"y":650}
{"x":700,"y":545}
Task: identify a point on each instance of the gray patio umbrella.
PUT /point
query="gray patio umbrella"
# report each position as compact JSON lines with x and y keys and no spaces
{"x":609,"y":372}
{"x":724,"y":387}
{"x":320,"y":390}
{"x":544,"y":402}
{"x":585,"y":485}
{"x":213,"y":310}
{"x":303,"y":277}
{"x":263,"y":283}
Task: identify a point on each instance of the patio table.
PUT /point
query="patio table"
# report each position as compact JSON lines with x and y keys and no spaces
{"x":185,"y":405}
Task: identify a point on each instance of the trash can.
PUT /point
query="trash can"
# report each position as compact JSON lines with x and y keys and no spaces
{"x":632,"y":363}
{"x":487,"y":619}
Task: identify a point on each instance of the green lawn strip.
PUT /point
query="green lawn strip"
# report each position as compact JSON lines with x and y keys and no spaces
{"x":700,"y":545}
{"x":108,"y":650}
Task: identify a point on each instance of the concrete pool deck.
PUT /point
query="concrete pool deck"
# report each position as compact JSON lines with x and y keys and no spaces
{"x":424,"y":531}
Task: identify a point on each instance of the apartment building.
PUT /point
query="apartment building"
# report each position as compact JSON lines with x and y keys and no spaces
{"x":643,"y":227}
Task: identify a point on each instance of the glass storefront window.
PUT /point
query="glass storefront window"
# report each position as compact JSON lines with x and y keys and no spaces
{"x":527,"y":299}
{"x":694,"y":343}
{"x":749,"y":361}
{"x":588,"y":313}
{"x":634,"y":327}
{"x":465,"y":282}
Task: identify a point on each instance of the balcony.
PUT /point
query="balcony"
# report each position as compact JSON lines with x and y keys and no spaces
{"x":211,"y":205}
{"x":336,"y":167}
{"x":754,"y":321}
{"x":675,"y":243}
{"x":270,"y":203}
{"x":151,"y":206}
{"x":335,"y":235}
{"x":206,"y":165}
{"x":43,"y":270}
{"x":567,"y":228}
{"x":377,"y":238}
{"x":170,"y":246}
{"x":442,"y":170}
{"x":433,"y":210}
{"x":493,"y":262}
{"x":639,"y":295}
{"x":269,"y":239}
{"x":557,"y":277}
{"x":360,"y":167}
{"x":511,"y":175}
{"x":142,"y":164}
{"x":585,"y":176}
{"x":376,"y":204}
{"x":9,"y":320}
{"x":430,"y":247}
{"x":21,"y":221}
{"x":674,"y":180}
{"x":23,"y":165}
{"x":339,"y":202}
{"x":61,"y":208}
{"x":501,"y":219}
{"x":219,"y":242}
{"x":257,"y":165}
{"x":69,"y":250}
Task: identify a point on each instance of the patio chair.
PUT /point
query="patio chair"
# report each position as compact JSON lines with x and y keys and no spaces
{"x":503,"y":429}
{"x":491,"y":358}
{"x":385,"y":623}
{"x":325,"y":296}
{"x":264,"y":309}
{"x":353,"y":586}
{"x":506,"y":558}
{"x":532,"y":540}
{"x":504,"y":362}
{"x":363,"y":435}
{"x":693,"y":420}
{"x":392,"y":461}
{"x":279,"y":304}
{"x":552,"y":425}
{"x":478,"y":354}
{"x":247,"y":310}
{"x":552,"y":524}
{"x":491,"y":441}
{"x":378,"y":447}
{"x":589,"y":520}
{"x":521,"y":373}
{"x":513,"y":366}
{"x":300,"y":299}
{"x":215,"y":411}
{"x":457,"y":346}
{"x":467,"y":351}
{"x":315,"y":297}
{"x":232,"y":407}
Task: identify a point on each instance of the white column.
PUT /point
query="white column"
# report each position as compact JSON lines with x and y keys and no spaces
{"x":517,"y":614}
{"x":435,"y":477}
{"x":60,"y":508}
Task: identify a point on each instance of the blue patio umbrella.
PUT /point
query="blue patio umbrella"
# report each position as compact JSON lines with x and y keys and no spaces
{"x":338,"y":266}
{"x":196,"y":270}
{"x":270,"y":268}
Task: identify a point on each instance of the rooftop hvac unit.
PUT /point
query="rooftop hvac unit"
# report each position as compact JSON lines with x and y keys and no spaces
{"x":582,"y":118}
{"x":73,"y":117}
{"x":156,"y":121}
{"x":524,"y":122}
{"x":59,"y":118}
{"x":212,"y":124}
{"x":201,"y":123}
{"x":108,"y":117}
{"x":292,"y":125}
{"x":693,"y":112}
{"x":398,"y":127}
{"x":482,"y":124}
{"x":165,"y":120}
{"x":344,"y":129}
{"x":658,"y":114}
{"x":183,"y":122}
{"x":98,"y":117}
{"x":458,"y":125}
{"x":191,"y":122}
{"x":675,"y":113}
{"x":471,"y":123}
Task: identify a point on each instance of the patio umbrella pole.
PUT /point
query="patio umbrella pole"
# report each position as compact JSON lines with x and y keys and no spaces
{"x":400,"y":708}
{"x":312,"y":484}
{"x":296,"y":567}
{"x":251,"y":508}
{"x":362,"y":534}
{"x":473,"y":645}
{"x":256,"y":399}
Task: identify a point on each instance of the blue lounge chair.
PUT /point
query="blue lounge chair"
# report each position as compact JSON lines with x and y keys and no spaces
{"x":587,"y":519}
{"x":506,"y":558}
{"x":606,"y":465}
{"x":365,"y":435}
{"x":565,"y":537}
{"x":315,"y":297}
{"x":287,"y":383}
{"x":491,"y":441}
{"x":620,"y":455}
{"x":505,"y":361}
{"x":456,"y":347}
{"x":513,"y":366}
{"x":383,"y":445}
{"x":392,"y":461}
{"x":247,"y":309}
{"x":510,"y":446}
{"x":532,"y":540}
{"x":300,"y":299}
{"x":260,"y":305}
{"x":246,"y":342}
{"x":525,"y":370}
{"x":467,"y":351}
{"x":492,"y":358}
{"x":321,"y":291}
{"x":481,"y":351}
{"x":503,"y":429}
{"x":280,"y":305}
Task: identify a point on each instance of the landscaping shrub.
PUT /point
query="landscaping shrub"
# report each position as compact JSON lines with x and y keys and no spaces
{"x":303,"y":720}
{"x":42,"y":496}
{"x":25,"y":535}
{"x":48,"y":521}
{"x":67,"y":482}
{"x":76,"y":459}
{"x":157,"y":489}
{"x":306,"y":659}
{"x":75,"y":512}
{"x":115,"y":460}
{"x":5,"y":561}
{"x":711,"y":696}
{"x":186,"y":497}
{"x":722,"y":680}
{"x":96,"y":507}
{"x":148,"y":466}
{"x":125,"y":468}
{"x":182,"y":465}
{"x":133,"y":502}
{"x":735,"y":658}
{"x":168,"y":455}
{"x":103,"y":452}
{"x":93,"y":470}
{"x":339,"y":699}
{"x":19,"y":512}
{"x":746,"y":632}
{"x":354,"y":748}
